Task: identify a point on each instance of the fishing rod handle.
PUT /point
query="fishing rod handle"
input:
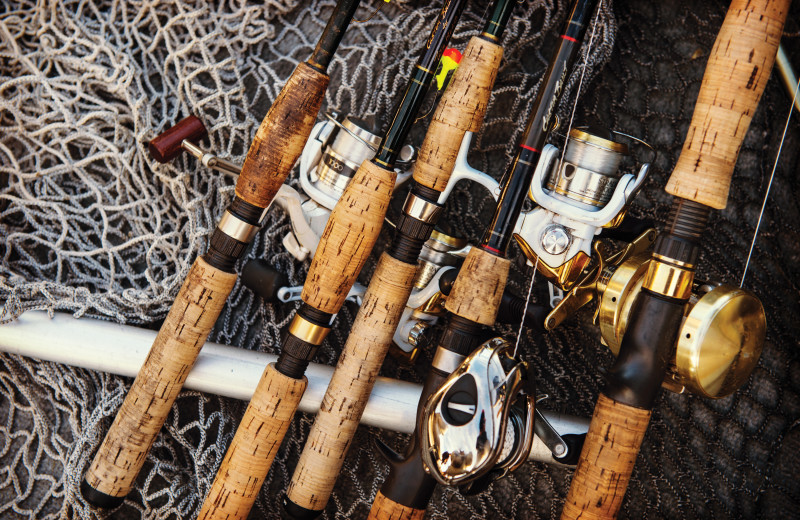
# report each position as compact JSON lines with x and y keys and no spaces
{"x":478,"y":289}
{"x":606,"y":462}
{"x":385,"y":509}
{"x":460,"y":110}
{"x":281,"y":136}
{"x":347,"y":241}
{"x":174,"y":351}
{"x":250,"y":455}
{"x":737,"y":72}
{"x":351,"y":385}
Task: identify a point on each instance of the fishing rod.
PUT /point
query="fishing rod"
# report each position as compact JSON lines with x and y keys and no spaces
{"x":476,"y":294}
{"x":737,"y":72}
{"x":459,"y":114}
{"x":275,"y":148}
{"x":344,"y":246}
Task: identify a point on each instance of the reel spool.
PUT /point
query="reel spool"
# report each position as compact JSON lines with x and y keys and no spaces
{"x":464,"y":432}
{"x":577,"y":196}
{"x":721,"y":336}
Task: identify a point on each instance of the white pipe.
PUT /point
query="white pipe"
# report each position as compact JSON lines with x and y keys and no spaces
{"x":220,"y":369}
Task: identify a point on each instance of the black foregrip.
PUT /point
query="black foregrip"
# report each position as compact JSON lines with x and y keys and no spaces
{"x":512,"y":308}
{"x":646,"y":349}
{"x":407,"y":483}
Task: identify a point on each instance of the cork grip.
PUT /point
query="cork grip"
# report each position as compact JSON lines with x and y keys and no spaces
{"x":735,"y":77}
{"x":606,"y":462}
{"x":174,"y":352}
{"x":460,"y":110}
{"x":385,"y":509}
{"x":477,"y":291}
{"x":348,"y":238}
{"x":253,"y":448}
{"x":281,"y":136}
{"x":351,"y":384}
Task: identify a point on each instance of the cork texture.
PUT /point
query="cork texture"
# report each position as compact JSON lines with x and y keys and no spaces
{"x":735,"y":77}
{"x":347,"y":241}
{"x":607,"y":459}
{"x":385,"y":509}
{"x":351,"y":384}
{"x":460,"y":110}
{"x":281,"y":136}
{"x":174,"y":352}
{"x":477,"y":291}
{"x":253,"y":448}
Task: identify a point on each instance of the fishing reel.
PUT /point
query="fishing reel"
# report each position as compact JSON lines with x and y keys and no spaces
{"x":480,"y":422}
{"x":577,"y":196}
{"x":720,"y":338}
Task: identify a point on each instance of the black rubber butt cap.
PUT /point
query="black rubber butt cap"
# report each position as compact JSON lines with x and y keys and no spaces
{"x":296,"y":512}
{"x":98,"y":498}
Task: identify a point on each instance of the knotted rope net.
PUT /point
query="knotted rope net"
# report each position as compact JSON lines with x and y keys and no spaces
{"x":91,"y":225}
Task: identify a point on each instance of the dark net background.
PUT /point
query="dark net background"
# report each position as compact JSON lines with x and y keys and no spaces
{"x":90,"y":224}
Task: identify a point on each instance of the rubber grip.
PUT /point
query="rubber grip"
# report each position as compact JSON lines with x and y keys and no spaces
{"x":606,"y":462}
{"x":174,"y":352}
{"x":352,"y":229}
{"x":167,"y":145}
{"x":478,"y":290}
{"x":735,"y":77}
{"x":254,"y":445}
{"x":460,"y":110}
{"x":281,"y":136}
{"x":351,"y":383}
{"x":385,"y":509}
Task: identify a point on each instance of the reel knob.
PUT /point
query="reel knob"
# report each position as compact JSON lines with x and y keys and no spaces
{"x":167,"y":145}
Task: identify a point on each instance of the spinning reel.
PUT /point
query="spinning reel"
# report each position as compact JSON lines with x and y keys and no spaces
{"x":480,"y":421}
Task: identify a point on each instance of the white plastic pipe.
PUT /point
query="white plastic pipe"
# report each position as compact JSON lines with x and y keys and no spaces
{"x":220,"y":369}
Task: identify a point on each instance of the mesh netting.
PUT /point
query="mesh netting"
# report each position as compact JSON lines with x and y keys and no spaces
{"x":92,"y":225}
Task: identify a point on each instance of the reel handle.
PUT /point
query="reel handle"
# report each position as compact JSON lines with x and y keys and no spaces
{"x":460,"y":110}
{"x":281,"y":136}
{"x":735,"y":77}
{"x":167,"y":145}
{"x":174,"y":351}
{"x":606,"y":461}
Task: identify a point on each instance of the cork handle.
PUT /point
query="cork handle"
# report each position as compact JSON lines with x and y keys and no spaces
{"x":477,"y":291}
{"x":193,"y":314}
{"x":606,"y":462}
{"x":253,"y":448}
{"x":280,"y":139}
{"x":348,"y":238}
{"x":460,"y":110}
{"x":352,"y":383}
{"x":735,"y":77}
{"x":385,"y":509}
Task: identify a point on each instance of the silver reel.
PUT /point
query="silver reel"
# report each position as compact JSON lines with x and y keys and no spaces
{"x":481,"y":419}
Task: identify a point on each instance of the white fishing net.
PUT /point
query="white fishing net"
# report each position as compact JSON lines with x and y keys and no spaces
{"x":91,"y":224}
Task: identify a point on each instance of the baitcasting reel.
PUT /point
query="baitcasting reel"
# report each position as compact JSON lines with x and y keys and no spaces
{"x":577,"y":196}
{"x":481,"y":418}
{"x":721,"y":336}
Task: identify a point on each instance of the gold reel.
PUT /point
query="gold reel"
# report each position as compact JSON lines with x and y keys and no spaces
{"x":721,"y":336}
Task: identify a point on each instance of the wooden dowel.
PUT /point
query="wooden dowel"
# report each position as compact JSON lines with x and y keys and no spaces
{"x":351,"y":232}
{"x":735,"y":77}
{"x":479,"y":287}
{"x":460,"y":110}
{"x":281,"y":136}
{"x":606,"y":461}
{"x":385,"y":509}
{"x":253,"y":448}
{"x":193,"y":314}
{"x":351,"y":384}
